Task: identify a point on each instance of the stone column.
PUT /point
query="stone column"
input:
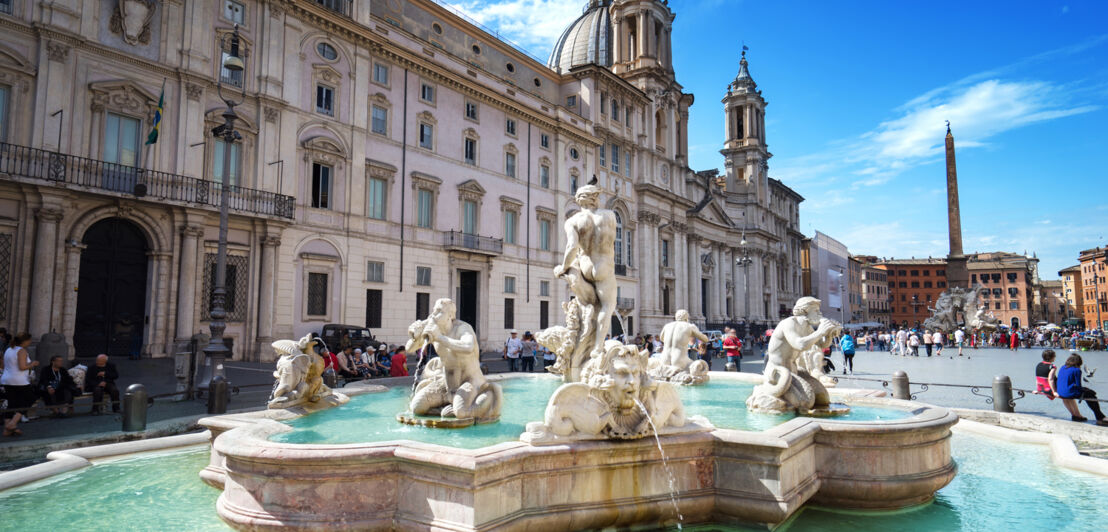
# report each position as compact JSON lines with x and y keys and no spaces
{"x":721,"y":284}
{"x":155,"y":343}
{"x":680,"y":290}
{"x":641,"y":41}
{"x":736,"y":285}
{"x":186,"y":281}
{"x":617,"y":52}
{"x":42,"y":277}
{"x":694,"y":274}
{"x":69,"y":303}
{"x":266,"y":287}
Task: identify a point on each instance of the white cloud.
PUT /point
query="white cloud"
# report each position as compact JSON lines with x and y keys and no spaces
{"x":533,"y":24}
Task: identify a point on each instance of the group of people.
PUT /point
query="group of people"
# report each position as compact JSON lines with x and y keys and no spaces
{"x":1066,"y":383}
{"x":54,"y":384}
{"x":522,"y":352}
{"x":355,"y":363}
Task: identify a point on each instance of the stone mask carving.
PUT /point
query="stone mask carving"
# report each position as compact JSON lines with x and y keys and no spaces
{"x":131,"y":20}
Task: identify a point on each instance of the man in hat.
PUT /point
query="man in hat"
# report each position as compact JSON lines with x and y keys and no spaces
{"x":512,"y":348}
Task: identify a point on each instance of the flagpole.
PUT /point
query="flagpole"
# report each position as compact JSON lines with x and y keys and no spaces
{"x":150,"y":145}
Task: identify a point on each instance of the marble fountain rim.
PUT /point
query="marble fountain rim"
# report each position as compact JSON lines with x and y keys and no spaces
{"x":247,"y":435}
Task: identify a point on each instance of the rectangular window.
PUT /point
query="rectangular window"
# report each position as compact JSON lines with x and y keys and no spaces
{"x":544,"y":140}
{"x":603,"y":99}
{"x":627,"y":160}
{"x":377,"y":188}
{"x":423,"y":276}
{"x":121,"y":140}
{"x":324,"y":100}
{"x":426,"y":136}
{"x":510,"y":164}
{"x":510,"y":127}
{"x":615,"y":110}
{"x":321,"y":186}
{"x":230,"y":77}
{"x":470,"y":150}
{"x":380,"y":122}
{"x":317,"y":294}
{"x":427,"y":93}
{"x":615,"y":157}
{"x":544,"y":235}
{"x":572,"y":183}
{"x":375,"y":271}
{"x":217,"y":163}
{"x":627,"y":116}
{"x":509,"y":284}
{"x":233,"y":11}
{"x":469,"y":217}
{"x":425,"y":208}
{"x":571,"y":101}
{"x":471,"y":110}
{"x":544,"y":314}
{"x":5,"y":105}
{"x":544,"y":289}
{"x":509,"y":313}
{"x":544,"y":176}
{"x":373,"y":306}
{"x":665,"y":253}
{"x":422,"y":305}
{"x":603,"y":156}
{"x":511,"y":223}
{"x":380,"y":73}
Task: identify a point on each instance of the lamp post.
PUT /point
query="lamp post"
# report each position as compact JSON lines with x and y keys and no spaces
{"x":216,"y":351}
{"x":745,"y":261}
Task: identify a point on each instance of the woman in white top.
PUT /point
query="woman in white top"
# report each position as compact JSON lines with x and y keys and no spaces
{"x":16,"y":381}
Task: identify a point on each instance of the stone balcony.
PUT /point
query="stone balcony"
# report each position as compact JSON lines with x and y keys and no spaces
{"x":459,"y":241}
{"x":625,"y":303}
{"x":32,"y":165}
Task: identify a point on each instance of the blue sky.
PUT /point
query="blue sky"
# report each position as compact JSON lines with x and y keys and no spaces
{"x":858,"y":93}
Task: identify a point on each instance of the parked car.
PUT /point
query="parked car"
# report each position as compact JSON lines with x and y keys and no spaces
{"x":360,"y":337}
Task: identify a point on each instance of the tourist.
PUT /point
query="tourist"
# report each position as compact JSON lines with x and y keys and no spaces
{"x":1069,"y":388}
{"x":512,"y":348}
{"x":1046,"y":377}
{"x":732,"y":347}
{"x":398,"y":366}
{"x":56,"y":387}
{"x":928,"y":339}
{"x":1014,"y":341}
{"x":960,"y":340}
{"x":703,"y":354}
{"x":548,"y":357}
{"x":384,"y":360}
{"x":99,"y":379}
{"x":846,"y":343}
{"x":913,"y":344}
{"x":346,"y":367}
{"x":657,"y":348}
{"x":902,"y":342}
{"x":937,"y":340}
{"x":369,"y":361}
{"x":16,"y":380}
{"x":527,"y":353}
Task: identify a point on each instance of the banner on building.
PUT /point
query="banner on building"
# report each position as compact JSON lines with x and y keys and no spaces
{"x":834,"y":294}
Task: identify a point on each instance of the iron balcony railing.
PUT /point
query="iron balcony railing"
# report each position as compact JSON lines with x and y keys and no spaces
{"x":33,"y":163}
{"x":483,"y":244}
{"x":342,"y":7}
{"x":625,"y":303}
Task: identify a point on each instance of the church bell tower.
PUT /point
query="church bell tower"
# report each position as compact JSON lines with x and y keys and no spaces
{"x":745,"y":151}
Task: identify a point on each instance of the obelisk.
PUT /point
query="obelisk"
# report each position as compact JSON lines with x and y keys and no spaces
{"x":956,"y":272}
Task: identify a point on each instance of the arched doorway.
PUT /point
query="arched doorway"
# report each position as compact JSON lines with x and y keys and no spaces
{"x":1015,"y":323}
{"x":111,"y":291}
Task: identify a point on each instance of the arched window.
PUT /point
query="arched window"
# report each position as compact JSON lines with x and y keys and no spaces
{"x":619,"y":239}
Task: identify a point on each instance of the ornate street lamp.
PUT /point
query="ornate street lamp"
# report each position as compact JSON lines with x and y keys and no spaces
{"x":216,"y":351}
{"x":745,"y":261}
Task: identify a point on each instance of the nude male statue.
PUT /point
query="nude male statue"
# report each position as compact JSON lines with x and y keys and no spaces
{"x":589,"y":264}
{"x":786,"y":387}
{"x":454,"y":386}
{"x":676,"y":336}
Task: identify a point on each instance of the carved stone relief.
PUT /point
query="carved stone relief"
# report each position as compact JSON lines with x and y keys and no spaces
{"x":131,"y":20}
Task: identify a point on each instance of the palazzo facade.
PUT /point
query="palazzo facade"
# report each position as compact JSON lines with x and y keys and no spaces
{"x":392,"y":153}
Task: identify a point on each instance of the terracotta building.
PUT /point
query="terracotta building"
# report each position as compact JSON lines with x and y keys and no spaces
{"x":1011,"y":281}
{"x":914,"y":286}
{"x":1073,"y":292}
{"x":1052,"y":306}
{"x":1094,"y":287}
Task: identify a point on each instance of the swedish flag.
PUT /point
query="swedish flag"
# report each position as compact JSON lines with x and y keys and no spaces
{"x":153,"y":136}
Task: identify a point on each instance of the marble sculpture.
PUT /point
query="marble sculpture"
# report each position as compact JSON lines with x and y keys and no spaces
{"x":673,"y":363}
{"x":299,"y":376}
{"x":452,"y":385}
{"x":787,"y":385}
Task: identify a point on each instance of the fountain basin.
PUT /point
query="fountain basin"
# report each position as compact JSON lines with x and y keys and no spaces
{"x":732,"y":475}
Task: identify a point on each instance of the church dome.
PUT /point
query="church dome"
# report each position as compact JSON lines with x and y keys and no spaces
{"x":587,"y":40}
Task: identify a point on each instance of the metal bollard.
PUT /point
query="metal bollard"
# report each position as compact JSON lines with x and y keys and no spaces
{"x":330,"y":379}
{"x":1002,"y":394}
{"x":730,"y":366}
{"x":900,"y":386}
{"x":218,"y":395}
{"x":134,"y":408}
